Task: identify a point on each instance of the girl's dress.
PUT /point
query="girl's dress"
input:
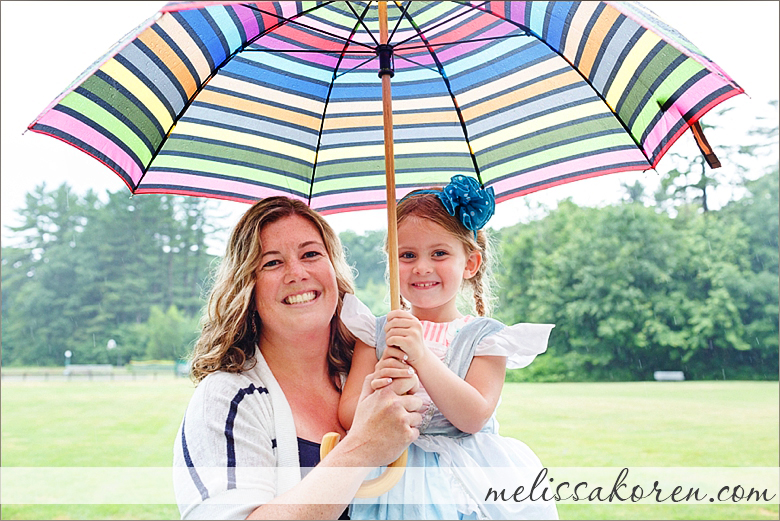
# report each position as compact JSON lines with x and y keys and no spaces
{"x":451,"y":474}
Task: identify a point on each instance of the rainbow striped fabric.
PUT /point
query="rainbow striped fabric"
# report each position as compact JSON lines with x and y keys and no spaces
{"x":243,"y":100}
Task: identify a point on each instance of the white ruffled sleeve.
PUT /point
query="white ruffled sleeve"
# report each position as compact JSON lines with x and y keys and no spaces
{"x":519,"y":343}
{"x":359,"y":319}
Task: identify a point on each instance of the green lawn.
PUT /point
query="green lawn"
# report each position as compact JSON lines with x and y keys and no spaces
{"x":649,"y":424}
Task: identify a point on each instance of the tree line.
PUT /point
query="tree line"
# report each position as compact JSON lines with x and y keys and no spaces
{"x":83,"y":271}
{"x":632,"y":288}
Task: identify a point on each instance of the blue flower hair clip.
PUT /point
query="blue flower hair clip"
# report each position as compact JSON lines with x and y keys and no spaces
{"x":463,"y":198}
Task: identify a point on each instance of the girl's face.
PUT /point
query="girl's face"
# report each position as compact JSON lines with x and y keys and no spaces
{"x":432,"y":264}
{"x":295,"y":289}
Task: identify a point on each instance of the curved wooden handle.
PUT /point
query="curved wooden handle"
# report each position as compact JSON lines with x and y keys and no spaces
{"x":373,"y":487}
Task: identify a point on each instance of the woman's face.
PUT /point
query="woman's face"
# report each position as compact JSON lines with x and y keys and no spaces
{"x":296,"y":289}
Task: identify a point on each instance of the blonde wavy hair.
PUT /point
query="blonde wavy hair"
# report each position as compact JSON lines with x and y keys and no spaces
{"x":428,"y":206}
{"x":230,"y":325}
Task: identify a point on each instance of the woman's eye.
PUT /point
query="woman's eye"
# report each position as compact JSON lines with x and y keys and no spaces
{"x":311,"y":254}
{"x":271,"y":264}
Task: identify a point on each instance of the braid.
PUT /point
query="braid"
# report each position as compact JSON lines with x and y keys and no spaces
{"x":479,"y":302}
{"x":480,"y":282}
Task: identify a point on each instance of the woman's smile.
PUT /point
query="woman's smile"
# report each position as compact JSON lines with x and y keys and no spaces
{"x":301,"y":298}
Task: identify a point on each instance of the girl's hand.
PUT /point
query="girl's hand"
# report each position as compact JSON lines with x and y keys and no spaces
{"x":398,"y":375}
{"x":405,"y":332}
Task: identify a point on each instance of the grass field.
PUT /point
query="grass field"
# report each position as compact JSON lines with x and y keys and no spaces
{"x":642,"y":424}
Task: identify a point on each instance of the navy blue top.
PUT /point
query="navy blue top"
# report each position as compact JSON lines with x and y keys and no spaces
{"x":309,"y":456}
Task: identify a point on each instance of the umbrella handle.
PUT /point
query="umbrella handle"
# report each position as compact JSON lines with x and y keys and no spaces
{"x":373,"y":487}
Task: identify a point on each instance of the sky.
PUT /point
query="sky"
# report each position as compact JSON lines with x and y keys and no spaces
{"x":47,"y":44}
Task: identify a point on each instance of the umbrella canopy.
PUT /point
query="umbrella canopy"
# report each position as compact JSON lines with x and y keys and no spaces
{"x":244,"y":100}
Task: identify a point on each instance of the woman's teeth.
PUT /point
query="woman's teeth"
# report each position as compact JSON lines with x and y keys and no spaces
{"x":301,"y":298}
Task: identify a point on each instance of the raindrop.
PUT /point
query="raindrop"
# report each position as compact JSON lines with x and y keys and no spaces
{"x":93,"y":340}
{"x":640,"y":363}
{"x":757,"y":342}
{"x":724,"y":372}
{"x":674,"y":318}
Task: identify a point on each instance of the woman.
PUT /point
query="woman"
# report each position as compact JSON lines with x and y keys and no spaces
{"x":269,"y":366}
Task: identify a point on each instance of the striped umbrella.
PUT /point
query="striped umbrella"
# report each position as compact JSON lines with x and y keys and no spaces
{"x":241,"y":101}
{"x":244,"y":100}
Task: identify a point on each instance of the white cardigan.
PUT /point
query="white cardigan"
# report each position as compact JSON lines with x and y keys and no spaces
{"x":236,"y":448}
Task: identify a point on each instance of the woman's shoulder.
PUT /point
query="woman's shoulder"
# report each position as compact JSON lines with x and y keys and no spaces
{"x":226,"y":388}
{"x":232,"y":379}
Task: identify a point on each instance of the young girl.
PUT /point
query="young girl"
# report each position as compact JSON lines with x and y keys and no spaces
{"x":460,"y":362}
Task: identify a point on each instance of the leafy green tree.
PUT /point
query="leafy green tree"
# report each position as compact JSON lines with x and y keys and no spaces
{"x":366,"y":254}
{"x":169,"y":334}
{"x":759,"y":213}
{"x":376,"y":296}
{"x":83,"y":271}
{"x":630,"y":291}
{"x":43,"y":319}
{"x":634,"y":193}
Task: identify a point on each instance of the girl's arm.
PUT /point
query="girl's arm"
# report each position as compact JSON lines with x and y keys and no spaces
{"x":467,"y":404}
{"x":387,"y":372}
{"x":363,"y":362}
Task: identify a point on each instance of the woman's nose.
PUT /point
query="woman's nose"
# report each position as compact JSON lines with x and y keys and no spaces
{"x":295,"y":271}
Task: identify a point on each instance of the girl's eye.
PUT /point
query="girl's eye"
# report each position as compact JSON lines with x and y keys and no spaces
{"x":439,"y":253}
{"x":407,"y":255}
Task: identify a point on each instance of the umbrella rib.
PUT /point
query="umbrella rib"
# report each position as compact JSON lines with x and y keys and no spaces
{"x":360,"y":21}
{"x":452,"y":95}
{"x":294,"y":21}
{"x":208,"y":79}
{"x":585,"y":79}
{"x":448,"y":20}
{"x":327,"y":99}
{"x":398,"y":23}
{"x":356,"y":67}
{"x":418,"y":64}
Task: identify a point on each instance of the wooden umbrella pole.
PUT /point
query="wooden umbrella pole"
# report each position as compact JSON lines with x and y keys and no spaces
{"x":387,"y":480}
{"x":392,"y":228}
